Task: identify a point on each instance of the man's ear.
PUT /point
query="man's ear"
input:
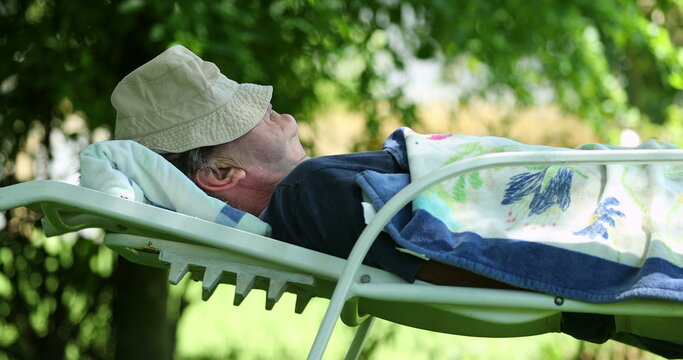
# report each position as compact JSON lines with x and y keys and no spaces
{"x":219,"y":179}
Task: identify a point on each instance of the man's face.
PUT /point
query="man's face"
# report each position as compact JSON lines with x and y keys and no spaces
{"x":272,"y":144}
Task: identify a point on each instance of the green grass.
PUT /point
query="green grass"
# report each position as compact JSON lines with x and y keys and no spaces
{"x":216,"y":329}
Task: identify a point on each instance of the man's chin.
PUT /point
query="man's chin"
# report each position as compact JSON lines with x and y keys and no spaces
{"x":299,"y":154}
{"x":304,"y":157}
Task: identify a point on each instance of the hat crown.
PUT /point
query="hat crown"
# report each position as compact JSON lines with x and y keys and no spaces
{"x":170,"y":78}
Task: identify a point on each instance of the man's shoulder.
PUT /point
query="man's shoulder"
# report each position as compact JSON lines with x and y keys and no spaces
{"x":339,"y":167}
{"x":374,"y":160}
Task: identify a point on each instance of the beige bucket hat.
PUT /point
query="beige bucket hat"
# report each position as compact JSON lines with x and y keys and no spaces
{"x":177,"y":102}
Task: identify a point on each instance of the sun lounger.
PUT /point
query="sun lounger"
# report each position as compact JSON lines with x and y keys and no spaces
{"x":213,"y":253}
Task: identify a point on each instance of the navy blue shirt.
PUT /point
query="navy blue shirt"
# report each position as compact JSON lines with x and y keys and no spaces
{"x":318,"y":206}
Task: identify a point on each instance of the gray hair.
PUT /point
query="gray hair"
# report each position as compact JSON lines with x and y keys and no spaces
{"x":201,"y":159}
{"x":193,"y":160}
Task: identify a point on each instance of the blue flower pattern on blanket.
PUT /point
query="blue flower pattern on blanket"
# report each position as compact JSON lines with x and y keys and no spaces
{"x":549,"y":187}
{"x":604,"y":215}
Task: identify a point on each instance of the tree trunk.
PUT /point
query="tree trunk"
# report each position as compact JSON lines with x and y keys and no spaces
{"x":140,"y":326}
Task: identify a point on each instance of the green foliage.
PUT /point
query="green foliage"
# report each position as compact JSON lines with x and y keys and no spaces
{"x":608,"y":62}
{"x":48,"y":308}
{"x":604,"y":60}
{"x":614,"y":63}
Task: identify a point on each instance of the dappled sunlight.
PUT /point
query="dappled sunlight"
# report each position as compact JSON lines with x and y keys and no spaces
{"x":629,"y":137}
{"x":537,"y":125}
{"x":332,"y":132}
{"x":31,"y":160}
{"x":547,"y":125}
{"x":23,"y":167}
{"x":337,"y":131}
{"x":249,"y":332}
{"x":67,"y":138}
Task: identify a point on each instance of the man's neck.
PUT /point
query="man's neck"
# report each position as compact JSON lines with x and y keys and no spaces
{"x":253,"y":193}
{"x":254,"y":201}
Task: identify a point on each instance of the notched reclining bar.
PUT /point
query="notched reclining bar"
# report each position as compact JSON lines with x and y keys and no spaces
{"x":212,"y":267}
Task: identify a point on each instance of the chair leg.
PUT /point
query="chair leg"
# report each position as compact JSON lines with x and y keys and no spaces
{"x":324,"y":331}
{"x":359,"y":339}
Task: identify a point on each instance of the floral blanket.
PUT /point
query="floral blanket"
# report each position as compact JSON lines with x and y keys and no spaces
{"x":593,"y":233}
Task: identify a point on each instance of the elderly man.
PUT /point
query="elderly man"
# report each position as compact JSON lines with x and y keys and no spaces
{"x":229,"y":140}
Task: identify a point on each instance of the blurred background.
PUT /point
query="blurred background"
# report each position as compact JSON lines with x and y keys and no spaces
{"x":553,"y":72}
